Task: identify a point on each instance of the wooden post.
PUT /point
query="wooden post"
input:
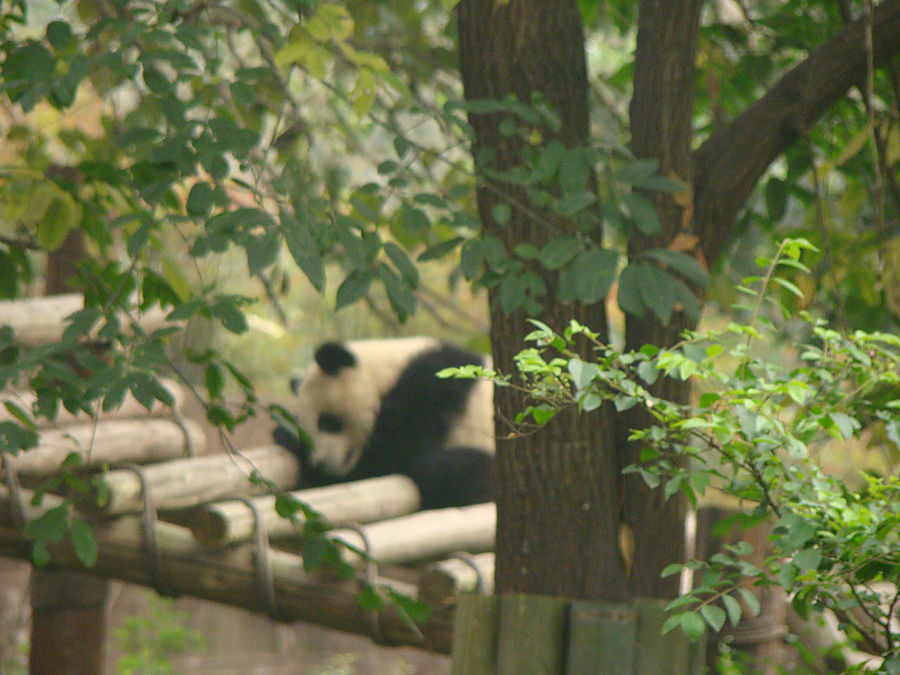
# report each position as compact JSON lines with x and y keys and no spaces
{"x":542,"y":635}
{"x":475,"y":630}
{"x":68,"y":618}
{"x":601,"y":639}
{"x":68,"y":623}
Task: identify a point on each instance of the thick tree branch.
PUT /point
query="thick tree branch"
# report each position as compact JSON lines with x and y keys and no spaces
{"x":729,"y":164}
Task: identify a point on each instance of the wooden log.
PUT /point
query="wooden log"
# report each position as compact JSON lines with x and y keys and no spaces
{"x":229,"y":576}
{"x":38,"y":321}
{"x":532,"y":634}
{"x":110,"y":442}
{"x":424,"y":535}
{"x":444,"y":581}
{"x":190,"y":481}
{"x":475,"y":629}
{"x":362,"y":501}
{"x":130,"y":407}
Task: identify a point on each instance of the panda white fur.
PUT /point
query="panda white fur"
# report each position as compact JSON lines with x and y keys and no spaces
{"x":375,"y":407}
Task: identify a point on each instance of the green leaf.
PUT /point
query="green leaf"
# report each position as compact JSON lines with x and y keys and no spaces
{"x":353,"y":288}
{"x":796,"y":530}
{"x":370,"y":600}
{"x":501,"y":213}
{"x":715,"y":616}
{"x":574,"y":169}
{"x":847,"y":425}
{"x":83,"y":542}
{"x":229,"y":313}
{"x":61,"y":214}
{"x":656,"y":288}
{"x":58,"y":34}
{"x":733,"y":607}
{"x":403,"y":264}
{"x":156,"y":82}
{"x":413,"y":219}
{"x":439,"y":250}
{"x":750,"y":600}
{"x":548,"y":164}
{"x":790,"y":286}
{"x":648,"y":371}
{"x":672,"y":569}
{"x":400,"y":294}
{"x":583,"y":372}
{"x":629,"y":296}
{"x":417,"y":610}
{"x":643,"y":213}
{"x":215,"y":380}
{"x":304,"y":252}
{"x":682,"y":264}
{"x":200,"y":200}
{"x":808,"y":559}
{"x":15,"y":438}
{"x":559,"y":252}
{"x":593,"y":272}
{"x":262,"y":251}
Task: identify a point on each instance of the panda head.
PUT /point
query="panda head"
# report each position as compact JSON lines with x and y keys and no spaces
{"x":339,"y":397}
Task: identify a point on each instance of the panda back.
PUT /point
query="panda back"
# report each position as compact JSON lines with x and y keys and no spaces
{"x":422,"y":413}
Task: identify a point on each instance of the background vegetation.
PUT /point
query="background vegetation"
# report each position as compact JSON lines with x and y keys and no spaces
{"x":223,"y":161}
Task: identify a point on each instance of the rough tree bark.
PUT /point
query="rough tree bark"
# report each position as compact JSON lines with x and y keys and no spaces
{"x":661,"y":117}
{"x":559,"y":496}
{"x":557,"y":502}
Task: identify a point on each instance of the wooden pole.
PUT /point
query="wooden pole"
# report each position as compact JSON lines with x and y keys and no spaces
{"x":111,"y":442}
{"x":39,"y":321}
{"x":445,"y":580}
{"x":532,"y":634}
{"x":364,"y":501}
{"x":229,"y":575}
{"x":424,"y":535}
{"x":180,"y":483}
{"x":475,"y":634}
{"x":68,"y":623}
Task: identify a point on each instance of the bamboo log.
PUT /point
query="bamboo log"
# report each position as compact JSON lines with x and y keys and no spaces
{"x":444,"y":581}
{"x":424,"y":535}
{"x":110,"y":442}
{"x":229,"y":576}
{"x":38,"y":321}
{"x":190,"y":481}
{"x":362,"y":501}
{"x":130,"y":407}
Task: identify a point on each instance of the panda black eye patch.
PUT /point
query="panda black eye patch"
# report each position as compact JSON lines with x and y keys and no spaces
{"x":331,"y":424}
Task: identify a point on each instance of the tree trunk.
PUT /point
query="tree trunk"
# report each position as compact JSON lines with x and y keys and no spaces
{"x":558,"y":500}
{"x":661,"y":115}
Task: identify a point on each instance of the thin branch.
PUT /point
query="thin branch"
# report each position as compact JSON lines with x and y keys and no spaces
{"x":731,"y":161}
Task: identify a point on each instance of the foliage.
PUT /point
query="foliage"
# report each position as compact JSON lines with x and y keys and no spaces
{"x":331,"y":137}
{"x":757,"y":432}
{"x":169,"y":136}
{"x":152,"y":638}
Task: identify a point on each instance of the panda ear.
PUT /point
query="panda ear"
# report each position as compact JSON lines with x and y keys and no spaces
{"x":332,"y":356}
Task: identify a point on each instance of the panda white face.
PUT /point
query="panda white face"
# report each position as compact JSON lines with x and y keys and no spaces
{"x":340,"y":396}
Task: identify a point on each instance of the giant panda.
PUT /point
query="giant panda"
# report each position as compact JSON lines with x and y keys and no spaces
{"x":375,"y":407}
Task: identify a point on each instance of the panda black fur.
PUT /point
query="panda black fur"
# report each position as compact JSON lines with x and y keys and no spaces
{"x":375,"y":407}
